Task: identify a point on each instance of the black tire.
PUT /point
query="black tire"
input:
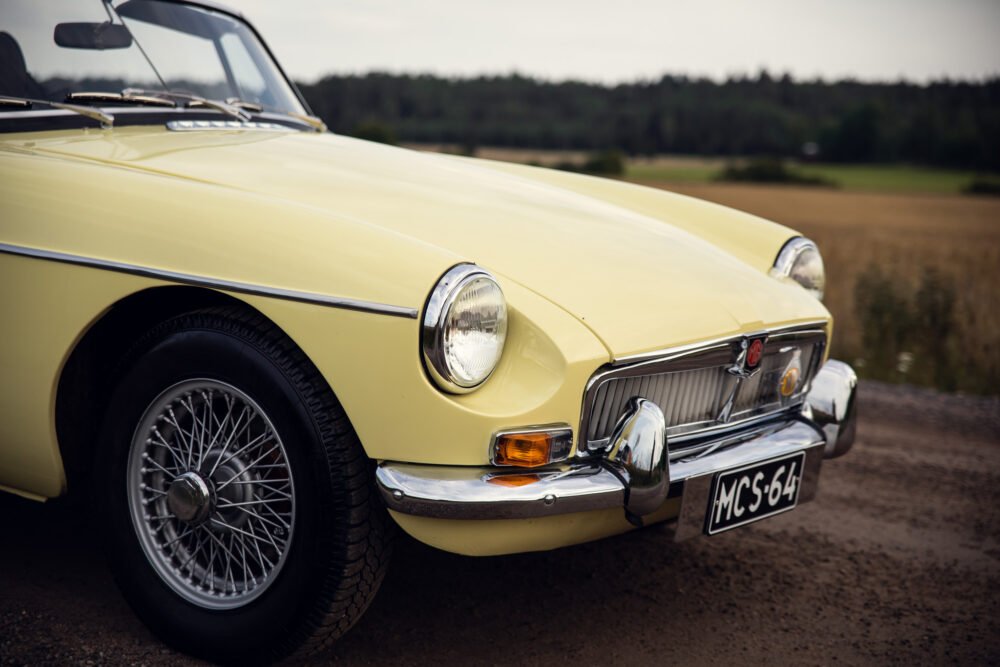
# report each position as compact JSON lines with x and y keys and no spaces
{"x":340,"y":542}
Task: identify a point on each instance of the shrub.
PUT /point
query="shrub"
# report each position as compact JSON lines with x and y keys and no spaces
{"x":907,"y":336}
{"x":933,"y":325}
{"x":769,"y":170}
{"x":982,"y":186}
{"x":884,"y":312}
{"x":374,"y":131}
{"x":608,"y":163}
{"x":603,"y":163}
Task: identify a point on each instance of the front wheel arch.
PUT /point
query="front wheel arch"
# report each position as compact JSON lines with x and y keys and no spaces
{"x":90,"y":370}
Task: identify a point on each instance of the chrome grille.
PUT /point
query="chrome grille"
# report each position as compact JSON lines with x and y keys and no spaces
{"x":692,"y":386}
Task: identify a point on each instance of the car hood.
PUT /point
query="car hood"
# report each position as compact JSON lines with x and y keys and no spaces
{"x":639,"y":278}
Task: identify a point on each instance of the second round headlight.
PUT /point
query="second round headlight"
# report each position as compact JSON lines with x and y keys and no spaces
{"x":800,"y":260}
{"x":464,"y":328}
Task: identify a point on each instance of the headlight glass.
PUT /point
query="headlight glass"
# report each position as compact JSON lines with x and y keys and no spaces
{"x":800,"y":260}
{"x":465,"y":327}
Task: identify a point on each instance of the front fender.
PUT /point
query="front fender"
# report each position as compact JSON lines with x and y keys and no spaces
{"x":373,"y":364}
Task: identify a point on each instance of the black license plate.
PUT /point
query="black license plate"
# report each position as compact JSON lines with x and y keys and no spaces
{"x":754,"y":492}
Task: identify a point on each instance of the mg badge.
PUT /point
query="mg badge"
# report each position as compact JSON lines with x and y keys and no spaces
{"x":754,"y":353}
{"x":748,"y":353}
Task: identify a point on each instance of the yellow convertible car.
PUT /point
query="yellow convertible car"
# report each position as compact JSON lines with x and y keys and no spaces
{"x":258,"y":347}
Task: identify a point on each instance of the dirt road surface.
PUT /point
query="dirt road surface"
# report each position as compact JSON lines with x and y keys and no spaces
{"x":897,"y":562}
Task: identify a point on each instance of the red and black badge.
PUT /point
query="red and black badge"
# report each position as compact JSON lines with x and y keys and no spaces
{"x":755,"y":352}
{"x":747,"y":355}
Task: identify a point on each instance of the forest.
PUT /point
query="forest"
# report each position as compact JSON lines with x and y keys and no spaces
{"x":945,"y":123}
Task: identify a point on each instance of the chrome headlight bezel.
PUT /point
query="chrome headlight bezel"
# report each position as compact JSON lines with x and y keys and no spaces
{"x":436,"y":316}
{"x":794,"y":261}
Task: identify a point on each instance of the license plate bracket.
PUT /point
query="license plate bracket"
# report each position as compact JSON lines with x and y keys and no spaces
{"x":754,"y":492}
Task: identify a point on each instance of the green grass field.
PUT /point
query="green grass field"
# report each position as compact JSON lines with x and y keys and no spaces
{"x":668,"y":170}
{"x":873,"y":178}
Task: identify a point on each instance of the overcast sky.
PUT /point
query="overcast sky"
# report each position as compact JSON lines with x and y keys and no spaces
{"x":616,"y":40}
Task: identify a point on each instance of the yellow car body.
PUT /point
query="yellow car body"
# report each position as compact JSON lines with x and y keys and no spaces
{"x":593,"y":270}
{"x":255,"y":344}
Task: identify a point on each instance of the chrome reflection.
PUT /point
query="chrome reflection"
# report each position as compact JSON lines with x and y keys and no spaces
{"x":639,"y":448}
{"x":833,"y":406}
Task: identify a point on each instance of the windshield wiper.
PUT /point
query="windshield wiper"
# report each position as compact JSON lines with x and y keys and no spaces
{"x":192,"y":100}
{"x":243,"y":104}
{"x":314,"y":122}
{"x":119,"y":98}
{"x":233,"y":106}
{"x":106,"y":119}
{"x":15,"y":102}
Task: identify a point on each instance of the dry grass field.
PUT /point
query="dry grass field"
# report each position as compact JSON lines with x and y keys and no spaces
{"x":903,"y":235}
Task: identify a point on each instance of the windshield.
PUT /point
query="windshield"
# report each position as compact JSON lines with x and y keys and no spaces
{"x":51,"y":49}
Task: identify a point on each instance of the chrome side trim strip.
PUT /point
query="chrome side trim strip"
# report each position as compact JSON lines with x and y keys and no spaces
{"x":214,"y":283}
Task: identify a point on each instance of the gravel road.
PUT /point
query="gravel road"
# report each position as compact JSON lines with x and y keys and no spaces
{"x":896,"y":562}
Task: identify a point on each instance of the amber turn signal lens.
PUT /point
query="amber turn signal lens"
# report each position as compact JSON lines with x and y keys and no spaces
{"x":533,"y":449}
{"x":523,"y":449}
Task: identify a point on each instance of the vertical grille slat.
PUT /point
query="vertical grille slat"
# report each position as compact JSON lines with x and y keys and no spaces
{"x":691,"y":398}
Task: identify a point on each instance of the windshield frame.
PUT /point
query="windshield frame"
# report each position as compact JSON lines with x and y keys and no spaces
{"x":40,"y":115}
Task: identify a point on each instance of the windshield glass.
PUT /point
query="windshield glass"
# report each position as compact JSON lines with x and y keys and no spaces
{"x":52,"y":48}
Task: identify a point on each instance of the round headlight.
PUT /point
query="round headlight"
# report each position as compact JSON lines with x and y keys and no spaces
{"x":465,"y":326}
{"x":800,"y":260}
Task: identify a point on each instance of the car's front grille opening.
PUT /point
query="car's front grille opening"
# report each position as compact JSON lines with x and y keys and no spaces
{"x":694,"y":386}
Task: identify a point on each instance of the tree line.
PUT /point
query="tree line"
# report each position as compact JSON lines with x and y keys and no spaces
{"x":948,"y":123}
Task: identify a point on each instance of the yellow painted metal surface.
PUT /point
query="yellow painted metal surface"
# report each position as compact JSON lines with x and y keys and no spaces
{"x":373,"y":365}
{"x":45,"y":310}
{"x":510,"y":536}
{"x":597,"y":248}
{"x":591,"y":269}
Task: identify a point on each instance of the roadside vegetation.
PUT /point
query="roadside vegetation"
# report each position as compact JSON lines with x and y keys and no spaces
{"x":944,"y":124}
{"x":911,"y":277}
{"x":770,"y":170}
{"x":601,"y":163}
{"x":862,"y":177}
{"x":669,"y":170}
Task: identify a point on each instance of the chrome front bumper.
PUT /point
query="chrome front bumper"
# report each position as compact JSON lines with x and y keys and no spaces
{"x":636,"y":474}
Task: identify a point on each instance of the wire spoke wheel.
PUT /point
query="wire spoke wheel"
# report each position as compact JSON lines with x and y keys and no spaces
{"x":235,"y":498}
{"x":211,"y":493}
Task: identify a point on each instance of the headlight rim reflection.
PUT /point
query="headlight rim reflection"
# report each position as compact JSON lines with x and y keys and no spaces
{"x":437,"y":317}
{"x":793,"y":255}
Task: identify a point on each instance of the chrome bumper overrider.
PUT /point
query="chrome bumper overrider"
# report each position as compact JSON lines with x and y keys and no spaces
{"x":635,"y":473}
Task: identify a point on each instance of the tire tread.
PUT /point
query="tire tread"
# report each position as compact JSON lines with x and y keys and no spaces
{"x":361,"y":543}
